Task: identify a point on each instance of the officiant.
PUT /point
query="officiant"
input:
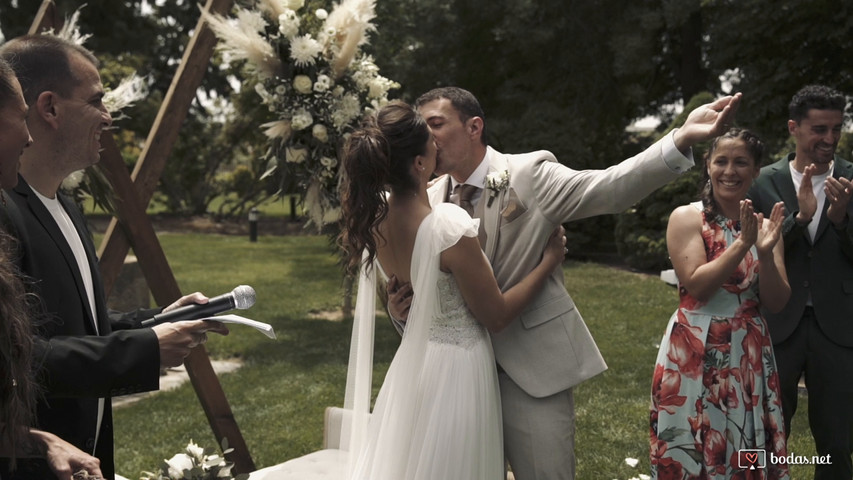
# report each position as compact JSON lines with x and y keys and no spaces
{"x":84,"y":354}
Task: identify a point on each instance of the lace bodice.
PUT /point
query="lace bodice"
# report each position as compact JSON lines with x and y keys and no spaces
{"x":453,"y":323}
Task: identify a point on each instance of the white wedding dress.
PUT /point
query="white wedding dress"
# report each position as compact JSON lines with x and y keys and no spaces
{"x":437,"y":415}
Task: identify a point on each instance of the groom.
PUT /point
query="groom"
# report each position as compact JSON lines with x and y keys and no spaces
{"x":520,"y":199}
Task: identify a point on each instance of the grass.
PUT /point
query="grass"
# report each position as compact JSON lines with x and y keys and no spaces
{"x":279,"y":395}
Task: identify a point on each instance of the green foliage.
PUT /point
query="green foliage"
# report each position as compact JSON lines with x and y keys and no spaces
{"x":641,"y":231}
{"x":556,"y":75}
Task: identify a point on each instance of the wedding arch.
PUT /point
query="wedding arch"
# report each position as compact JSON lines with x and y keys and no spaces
{"x":131,"y":226}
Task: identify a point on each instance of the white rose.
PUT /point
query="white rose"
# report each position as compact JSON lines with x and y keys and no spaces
{"x":320,"y":133}
{"x":303,"y":84}
{"x":295,"y":154}
{"x":178,"y":464}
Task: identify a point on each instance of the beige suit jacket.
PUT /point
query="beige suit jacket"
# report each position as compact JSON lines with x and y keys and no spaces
{"x":549,"y":349}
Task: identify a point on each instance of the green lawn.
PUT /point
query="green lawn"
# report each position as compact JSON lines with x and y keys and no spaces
{"x":279,"y":395}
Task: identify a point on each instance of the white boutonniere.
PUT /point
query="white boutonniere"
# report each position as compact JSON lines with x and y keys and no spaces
{"x":496,"y":182}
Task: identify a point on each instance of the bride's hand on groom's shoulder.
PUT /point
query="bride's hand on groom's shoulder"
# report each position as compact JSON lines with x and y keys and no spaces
{"x":399,"y":298}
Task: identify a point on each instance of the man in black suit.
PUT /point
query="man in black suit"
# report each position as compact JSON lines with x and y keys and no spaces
{"x":84,"y":359}
{"x":813,"y":334}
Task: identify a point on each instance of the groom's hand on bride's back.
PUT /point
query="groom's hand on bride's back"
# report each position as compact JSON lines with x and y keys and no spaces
{"x":399,"y":301}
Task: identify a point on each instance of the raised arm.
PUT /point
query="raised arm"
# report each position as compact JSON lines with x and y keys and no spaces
{"x":473,"y":274}
{"x":706,"y":122}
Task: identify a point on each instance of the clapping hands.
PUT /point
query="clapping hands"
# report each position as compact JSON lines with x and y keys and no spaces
{"x":755,"y":229}
{"x":838,"y":193}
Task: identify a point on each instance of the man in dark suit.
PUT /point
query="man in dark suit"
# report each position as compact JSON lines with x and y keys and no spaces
{"x":83,"y":361}
{"x":813,"y":334}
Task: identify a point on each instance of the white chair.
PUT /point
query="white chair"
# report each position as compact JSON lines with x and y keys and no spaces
{"x":326,"y":464}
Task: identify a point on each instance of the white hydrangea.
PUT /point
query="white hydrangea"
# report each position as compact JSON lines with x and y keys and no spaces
{"x":301,"y":120}
{"x":288,"y":24}
{"x":345,"y":110}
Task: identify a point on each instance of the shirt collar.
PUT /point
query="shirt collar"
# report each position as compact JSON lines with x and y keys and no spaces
{"x":478,"y":176}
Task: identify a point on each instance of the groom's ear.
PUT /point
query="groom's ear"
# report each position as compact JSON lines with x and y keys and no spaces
{"x":475,"y":127}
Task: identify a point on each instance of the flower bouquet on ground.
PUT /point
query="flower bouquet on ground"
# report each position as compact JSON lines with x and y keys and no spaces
{"x":196,"y":463}
{"x":308,"y":67}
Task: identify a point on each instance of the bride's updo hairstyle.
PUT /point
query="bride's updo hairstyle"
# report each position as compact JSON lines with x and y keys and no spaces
{"x":378,"y":157}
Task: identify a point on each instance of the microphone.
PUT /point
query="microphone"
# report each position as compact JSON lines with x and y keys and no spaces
{"x":241,"y":298}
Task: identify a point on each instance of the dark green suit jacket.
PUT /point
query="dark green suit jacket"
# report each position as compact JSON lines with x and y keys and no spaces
{"x":822,"y":268}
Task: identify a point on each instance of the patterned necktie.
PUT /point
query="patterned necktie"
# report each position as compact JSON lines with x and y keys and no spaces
{"x":462,"y":195}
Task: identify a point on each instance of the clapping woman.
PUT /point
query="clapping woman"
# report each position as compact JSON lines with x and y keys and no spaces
{"x":715,"y":389}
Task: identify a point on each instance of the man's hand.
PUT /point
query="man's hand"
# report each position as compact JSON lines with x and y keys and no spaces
{"x":178,"y":338}
{"x":399,"y":298}
{"x":706,"y":122}
{"x":806,"y":201}
{"x":838,"y":192}
{"x":195,"y":297}
{"x":65,"y":459}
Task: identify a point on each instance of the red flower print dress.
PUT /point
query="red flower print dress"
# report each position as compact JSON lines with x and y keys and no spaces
{"x":715,"y":389}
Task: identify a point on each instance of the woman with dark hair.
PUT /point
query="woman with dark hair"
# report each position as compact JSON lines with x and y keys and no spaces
{"x":18,"y":388}
{"x":438,"y":411}
{"x":716,"y":406}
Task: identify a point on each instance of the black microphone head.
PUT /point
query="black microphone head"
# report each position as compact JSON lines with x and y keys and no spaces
{"x":244,"y":297}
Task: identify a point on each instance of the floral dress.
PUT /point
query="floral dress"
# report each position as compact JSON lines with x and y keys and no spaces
{"x":716,"y":407}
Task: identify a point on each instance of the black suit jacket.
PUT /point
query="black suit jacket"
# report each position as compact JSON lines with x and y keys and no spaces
{"x":77,"y":365}
{"x":823,"y":268}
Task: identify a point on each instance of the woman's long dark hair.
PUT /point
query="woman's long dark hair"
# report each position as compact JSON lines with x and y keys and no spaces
{"x":377,"y":157}
{"x":17,"y":386}
{"x":754,"y":146}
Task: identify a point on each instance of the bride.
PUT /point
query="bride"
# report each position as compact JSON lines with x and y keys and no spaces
{"x":438,"y":412}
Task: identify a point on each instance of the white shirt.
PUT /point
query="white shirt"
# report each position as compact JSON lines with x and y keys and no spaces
{"x":477,"y":178}
{"x":63,"y":221}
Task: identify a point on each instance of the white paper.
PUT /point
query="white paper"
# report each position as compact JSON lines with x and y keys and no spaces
{"x":264,"y":328}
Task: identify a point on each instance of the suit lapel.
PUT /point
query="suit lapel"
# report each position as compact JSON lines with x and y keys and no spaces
{"x":92,"y":259}
{"x":47,"y":222}
{"x":489,"y":211}
{"x":784,"y":184}
{"x":841,"y":168}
